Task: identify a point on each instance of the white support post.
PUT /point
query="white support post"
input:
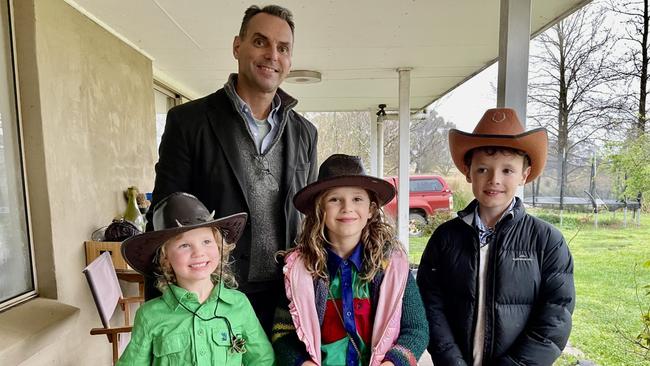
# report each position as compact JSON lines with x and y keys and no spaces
{"x":380,"y":146}
{"x":514,"y":39}
{"x":404,"y":156}
{"x":373,"y":143}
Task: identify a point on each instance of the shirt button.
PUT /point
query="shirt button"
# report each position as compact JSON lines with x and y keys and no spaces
{"x":348,"y":313}
{"x":200,"y":332}
{"x":345,"y":263}
{"x":202,"y":353}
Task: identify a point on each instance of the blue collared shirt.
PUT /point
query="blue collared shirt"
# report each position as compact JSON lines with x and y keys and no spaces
{"x":273,"y":119}
{"x":347,"y":266}
{"x":485,"y":233}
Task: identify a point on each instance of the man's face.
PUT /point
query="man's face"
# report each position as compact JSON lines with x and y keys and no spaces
{"x":263,"y":54}
{"x":495,"y":179}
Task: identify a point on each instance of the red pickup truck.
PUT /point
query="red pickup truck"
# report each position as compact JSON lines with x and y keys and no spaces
{"x":428,"y":194}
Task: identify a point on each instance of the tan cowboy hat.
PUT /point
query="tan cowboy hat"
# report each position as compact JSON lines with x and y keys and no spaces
{"x":173,"y":215}
{"x":341,"y":170}
{"x":500,"y":127}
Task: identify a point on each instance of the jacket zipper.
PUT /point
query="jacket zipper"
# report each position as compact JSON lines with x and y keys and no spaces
{"x":477,"y":247}
{"x":491,"y":256}
{"x":501,"y":226}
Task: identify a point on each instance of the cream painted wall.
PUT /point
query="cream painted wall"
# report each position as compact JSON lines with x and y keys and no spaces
{"x":89,"y":126}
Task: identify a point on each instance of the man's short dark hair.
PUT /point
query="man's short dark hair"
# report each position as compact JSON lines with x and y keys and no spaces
{"x":275,"y":10}
{"x":491,"y":150}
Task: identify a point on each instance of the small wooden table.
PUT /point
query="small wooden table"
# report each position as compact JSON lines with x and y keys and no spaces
{"x":130,"y":275}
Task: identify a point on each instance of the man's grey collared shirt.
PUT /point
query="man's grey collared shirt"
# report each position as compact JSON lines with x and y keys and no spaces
{"x":262,"y":143}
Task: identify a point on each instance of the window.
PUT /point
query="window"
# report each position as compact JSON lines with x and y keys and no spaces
{"x":164,"y":100}
{"x":16,"y":263}
{"x":425,"y":185}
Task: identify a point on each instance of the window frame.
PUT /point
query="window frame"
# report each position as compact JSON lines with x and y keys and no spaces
{"x":176,"y":97}
{"x":432,"y":179}
{"x":15,"y":117}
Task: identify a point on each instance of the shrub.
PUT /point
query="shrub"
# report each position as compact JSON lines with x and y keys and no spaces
{"x":434,"y":221}
{"x":462,"y":199}
{"x":462,"y":191}
{"x":643,"y":339}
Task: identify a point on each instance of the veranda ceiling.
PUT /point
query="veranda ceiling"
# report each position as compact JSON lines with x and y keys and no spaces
{"x":356,"y":44}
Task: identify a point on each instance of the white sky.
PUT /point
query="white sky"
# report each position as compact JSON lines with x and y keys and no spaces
{"x":465,"y":105}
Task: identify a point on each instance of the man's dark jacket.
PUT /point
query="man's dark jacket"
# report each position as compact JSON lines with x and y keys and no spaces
{"x":529,"y":290}
{"x":199,"y":155}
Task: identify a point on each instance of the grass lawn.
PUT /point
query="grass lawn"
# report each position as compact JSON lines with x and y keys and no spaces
{"x":608,"y":271}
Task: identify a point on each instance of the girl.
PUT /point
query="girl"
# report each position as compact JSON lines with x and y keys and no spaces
{"x":351,"y":298}
{"x":194,"y":322}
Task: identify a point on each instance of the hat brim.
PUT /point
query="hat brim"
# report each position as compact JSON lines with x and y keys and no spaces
{"x":534,"y":143}
{"x":139,"y":251}
{"x":305,"y":198}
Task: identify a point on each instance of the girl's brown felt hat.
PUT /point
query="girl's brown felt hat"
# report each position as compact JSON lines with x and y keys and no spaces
{"x":341,"y":170}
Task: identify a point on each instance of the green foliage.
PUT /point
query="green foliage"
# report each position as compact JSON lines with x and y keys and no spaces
{"x":566,"y":360}
{"x":569,"y":221}
{"x":434,"y":221}
{"x":462,"y":191}
{"x":575,"y":220}
{"x":462,"y":199}
{"x":643,"y":339}
{"x":630,"y":163}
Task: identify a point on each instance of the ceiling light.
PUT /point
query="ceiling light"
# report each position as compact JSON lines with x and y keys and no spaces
{"x":303,"y":77}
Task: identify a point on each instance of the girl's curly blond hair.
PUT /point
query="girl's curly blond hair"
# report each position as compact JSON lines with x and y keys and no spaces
{"x":223,"y":272}
{"x":378,"y":238}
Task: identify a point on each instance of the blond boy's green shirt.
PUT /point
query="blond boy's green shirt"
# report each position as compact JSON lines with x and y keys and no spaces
{"x":164,"y":333}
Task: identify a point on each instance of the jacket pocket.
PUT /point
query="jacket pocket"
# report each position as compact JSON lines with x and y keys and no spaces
{"x":222,"y":350}
{"x":172,"y":349}
{"x":302,"y":175}
{"x":300,"y":179}
{"x":300,"y":167}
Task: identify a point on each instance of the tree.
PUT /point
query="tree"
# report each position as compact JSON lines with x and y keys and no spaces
{"x":629,"y":160}
{"x":632,"y":65}
{"x":349,"y":133}
{"x":429,"y":148}
{"x":342,"y":132}
{"x":568,"y":89}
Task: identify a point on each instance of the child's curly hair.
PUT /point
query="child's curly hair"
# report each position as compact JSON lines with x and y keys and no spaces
{"x":165,"y":273}
{"x":378,"y":238}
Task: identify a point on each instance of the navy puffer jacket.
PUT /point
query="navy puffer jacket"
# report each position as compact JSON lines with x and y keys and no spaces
{"x":530,"y":294}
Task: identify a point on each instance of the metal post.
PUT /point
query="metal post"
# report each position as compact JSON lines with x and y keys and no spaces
{"x":380,"y":146}
{"x":404,"y":156}
{"x":373,"y":144}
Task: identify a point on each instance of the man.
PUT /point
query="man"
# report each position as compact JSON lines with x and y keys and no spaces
{"x":243,"y":148}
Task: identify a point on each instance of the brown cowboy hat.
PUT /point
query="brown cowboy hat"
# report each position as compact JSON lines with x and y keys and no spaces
{"x":500,"y":127}
{"x":175,"y":214}
{"x":341,"y":170}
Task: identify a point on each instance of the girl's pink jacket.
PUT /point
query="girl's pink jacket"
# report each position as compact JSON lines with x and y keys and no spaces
{"x":299,"y":286}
